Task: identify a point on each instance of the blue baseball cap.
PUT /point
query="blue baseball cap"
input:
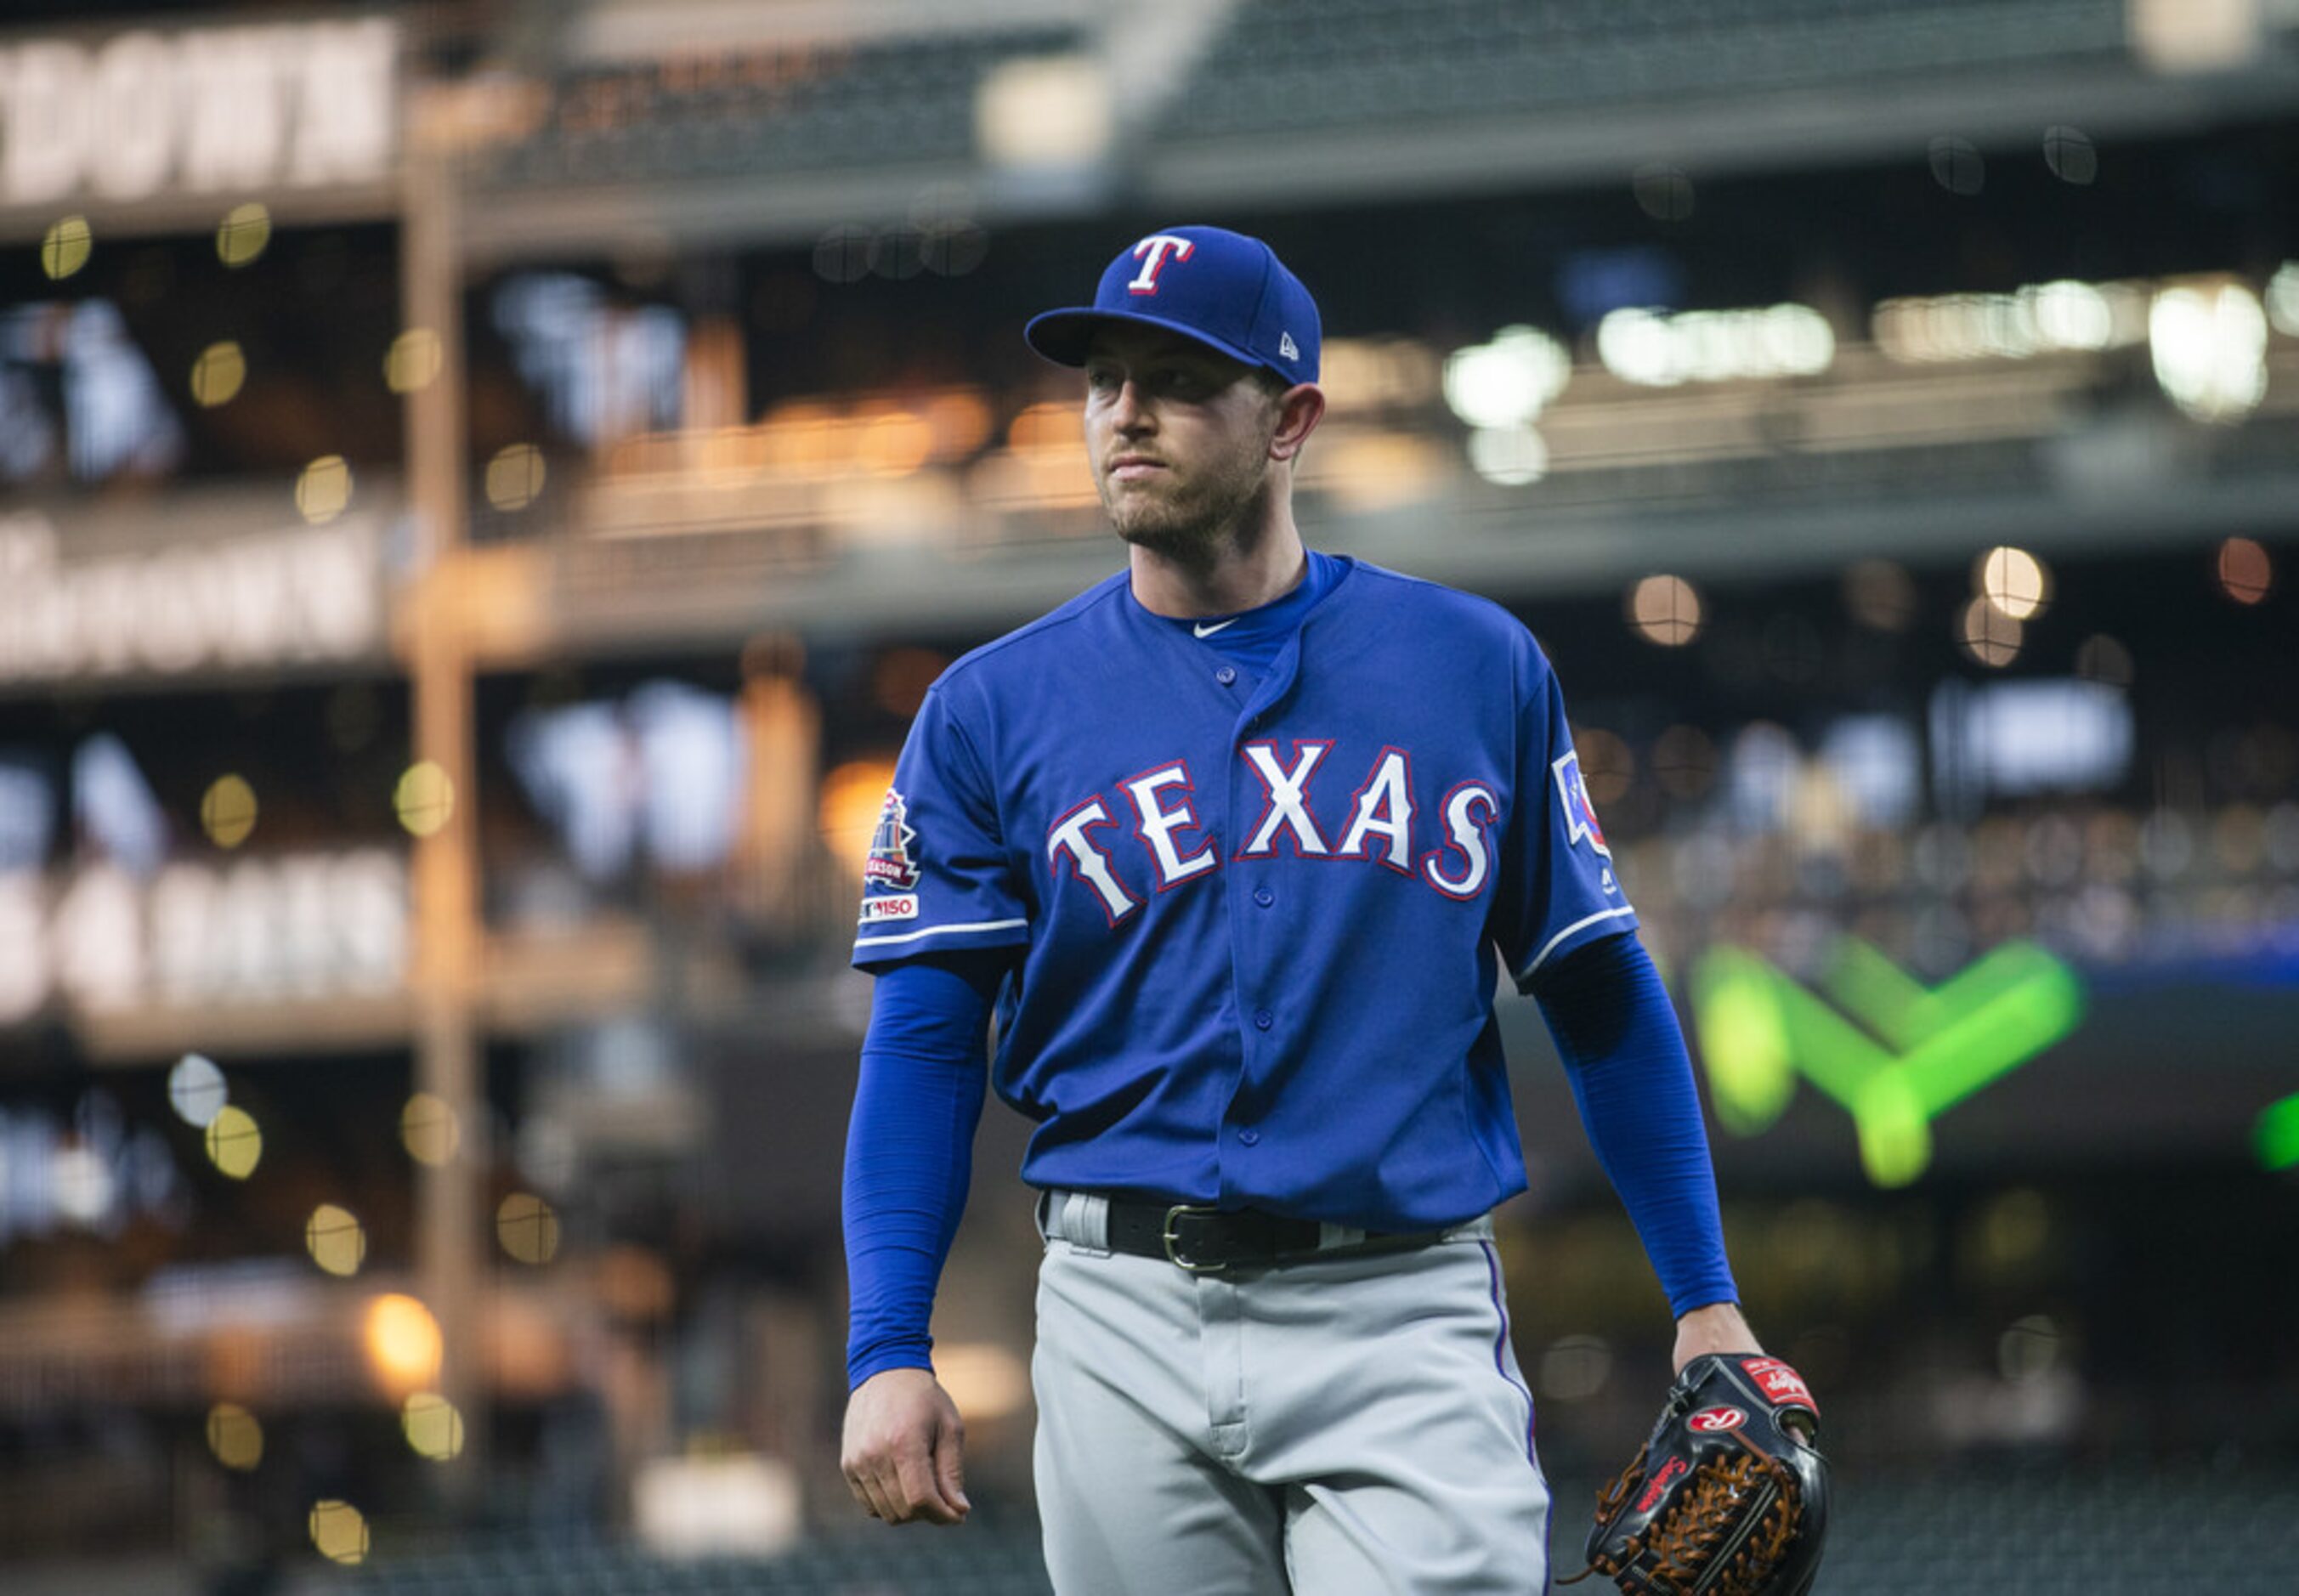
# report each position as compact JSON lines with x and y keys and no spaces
{"x":1222,"y":289}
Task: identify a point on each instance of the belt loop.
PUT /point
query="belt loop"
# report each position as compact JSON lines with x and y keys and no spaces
{"x":1330,"y":1235}
{"x":1084,"y":1221}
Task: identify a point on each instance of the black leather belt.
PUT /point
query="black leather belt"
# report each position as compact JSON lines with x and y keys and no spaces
{"x":1206,"y":1240}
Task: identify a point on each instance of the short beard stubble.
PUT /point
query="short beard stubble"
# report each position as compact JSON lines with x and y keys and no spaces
{"x":1213,"y":516}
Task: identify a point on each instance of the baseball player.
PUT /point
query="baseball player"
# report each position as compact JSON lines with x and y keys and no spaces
{"x":1232,"y":843}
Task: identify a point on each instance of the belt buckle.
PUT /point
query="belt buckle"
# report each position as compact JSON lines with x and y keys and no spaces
{"x":1173,"y":1215}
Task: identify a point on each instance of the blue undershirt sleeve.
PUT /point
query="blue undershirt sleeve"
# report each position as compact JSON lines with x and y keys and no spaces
{"x":909,"y":1150}
{"x":1624,"y":1055}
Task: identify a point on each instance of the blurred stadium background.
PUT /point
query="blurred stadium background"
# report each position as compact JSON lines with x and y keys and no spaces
{"x":483,"y":486}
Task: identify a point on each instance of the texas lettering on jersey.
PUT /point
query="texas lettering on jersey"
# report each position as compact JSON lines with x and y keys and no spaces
{"x":1379,"y":824}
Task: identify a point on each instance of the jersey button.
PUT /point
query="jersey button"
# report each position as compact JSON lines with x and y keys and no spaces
{"x":1225,"y":675}
{"x":1263,"y":1020}
{"x":1264,"y":896}
{"x":1248,"y":1135}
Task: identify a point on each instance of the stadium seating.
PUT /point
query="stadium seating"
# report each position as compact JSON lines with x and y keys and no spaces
{"x":1303,"y":64}
{"x":875,"y":103}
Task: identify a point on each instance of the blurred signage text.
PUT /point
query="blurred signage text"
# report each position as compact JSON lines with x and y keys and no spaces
{"x":301,"y":596}
{"x":252,"y":932}
{"x":146,"y":115}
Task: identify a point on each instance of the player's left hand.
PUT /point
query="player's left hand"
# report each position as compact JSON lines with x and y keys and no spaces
{"x":1719,"y":1328}
{"x":1728,"y":1496}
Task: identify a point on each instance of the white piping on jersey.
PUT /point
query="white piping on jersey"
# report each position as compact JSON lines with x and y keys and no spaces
{"x":1602,"y":914}
{"x":879,"y":942}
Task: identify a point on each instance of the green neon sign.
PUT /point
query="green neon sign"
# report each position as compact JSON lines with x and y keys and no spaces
{"x":2276,"y":1136}
{"x":1892,"y":1053}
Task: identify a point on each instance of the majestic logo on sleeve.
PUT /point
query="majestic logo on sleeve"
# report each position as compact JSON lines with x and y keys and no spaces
{"x":1580,"y":814}
{"x":890,"y":865}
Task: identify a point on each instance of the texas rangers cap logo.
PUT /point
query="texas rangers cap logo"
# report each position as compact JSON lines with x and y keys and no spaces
{"x":1580,"y":814}
{"x":1227,"y":291}
{"x":890,"y":864}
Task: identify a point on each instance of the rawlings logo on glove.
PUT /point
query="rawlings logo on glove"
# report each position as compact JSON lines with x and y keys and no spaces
{"x":1728,"y":1497}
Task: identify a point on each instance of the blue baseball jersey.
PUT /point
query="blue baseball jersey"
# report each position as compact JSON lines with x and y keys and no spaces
{"x":1254,"y":916}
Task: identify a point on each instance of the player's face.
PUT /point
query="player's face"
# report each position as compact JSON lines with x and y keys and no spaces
{"x":1179,"y":438}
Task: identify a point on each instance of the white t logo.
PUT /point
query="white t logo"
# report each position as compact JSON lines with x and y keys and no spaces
{"x":1153,"y":253}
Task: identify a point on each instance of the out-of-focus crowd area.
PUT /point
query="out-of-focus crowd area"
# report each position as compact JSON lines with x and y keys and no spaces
{"x":484,"y":486}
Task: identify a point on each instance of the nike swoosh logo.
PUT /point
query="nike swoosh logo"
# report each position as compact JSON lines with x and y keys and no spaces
{"x":1208,"y":631}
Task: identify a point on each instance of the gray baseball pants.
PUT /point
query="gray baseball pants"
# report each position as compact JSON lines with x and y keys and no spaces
{"x":1330,"y":1428}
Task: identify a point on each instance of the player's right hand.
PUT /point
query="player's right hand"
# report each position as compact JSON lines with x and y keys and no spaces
{"x":904,"y":1453}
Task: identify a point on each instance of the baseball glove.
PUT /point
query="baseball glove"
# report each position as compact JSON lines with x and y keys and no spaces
{"x":1725,"y":1498}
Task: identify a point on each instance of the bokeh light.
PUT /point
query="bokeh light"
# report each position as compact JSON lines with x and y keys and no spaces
{"x":227,"y":810}
{"x":324,"y":490}
{"x":1663,"y":193}
{"x":527,"y":1227}
{"x":2101,"y":658}
{"x":235,"y":1143}
{"x":894,"y":443}
{"x":1989,"y":634}
{"x":424,"y":799}
{"x":403,"y":1343}
{"x":196,"y":1090}
{"x":65,"y":247}
{"x":634,"y":1284}
{"x":852,"y":795}
{"x":244,"y":236}
{"x":1606,"y":764}
{"x":219,"y":374}
{"x":428,"y":1129}
{"x":2283,"y":299}
{"x":1664,"y":609}
{"x":2031,"y":1349}
{"x":1508,"y":456}
{"x":1957,"y":165}
{"x":339,"y":1531}
{"x":983,"y":1377}
{"x":1684,"y":761}
{"x":235,"y":1436}
{"x":1574,"y":1367}
{"x":412,"y":361}
{"x":2245,"y":571}
{"x":433,"y":1425}
{"x":1506,"y":381}
{"x":2014,"y":1229}
{"x":2209,"y":345}
{"x":2071,"y":155}
{"x":1659,"y":349}
{"x":1880,"y":594}
{"x":335,"y":1240}
{"x":2013,"y":580}
{"x":515,"y":476}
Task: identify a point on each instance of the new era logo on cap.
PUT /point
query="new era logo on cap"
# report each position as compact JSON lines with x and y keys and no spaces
{"x":1225,"y":290}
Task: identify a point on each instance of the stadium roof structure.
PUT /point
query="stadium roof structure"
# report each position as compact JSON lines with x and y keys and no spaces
{"x":702,"y":119}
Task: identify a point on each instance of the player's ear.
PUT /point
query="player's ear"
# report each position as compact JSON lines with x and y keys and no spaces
{"x":1299,"y":409}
